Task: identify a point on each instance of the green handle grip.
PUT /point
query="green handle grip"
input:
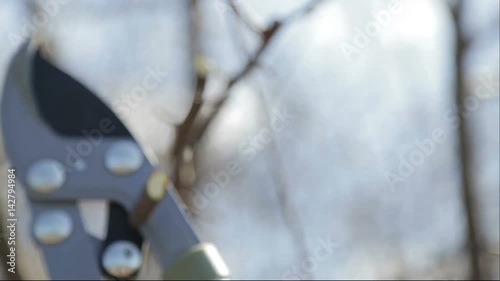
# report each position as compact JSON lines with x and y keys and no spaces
{"x":201,"y":262}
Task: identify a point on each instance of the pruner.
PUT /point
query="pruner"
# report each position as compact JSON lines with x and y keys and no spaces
{"x":67,"y":145}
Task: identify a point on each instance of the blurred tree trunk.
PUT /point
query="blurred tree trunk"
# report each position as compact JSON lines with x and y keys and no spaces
{"x":465,"y":149}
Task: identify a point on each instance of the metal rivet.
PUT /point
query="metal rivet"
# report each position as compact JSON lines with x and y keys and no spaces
{"x":123,"y":158}
{"x":46,"y":176}
{"x":53,"y":227}
{"x":122,"y":259}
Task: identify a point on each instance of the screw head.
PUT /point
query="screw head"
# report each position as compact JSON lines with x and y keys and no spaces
{"x":52,"y":227}
{"x":46,"y":176}
{"x":122,"y":259}
{"x":123,"y":158}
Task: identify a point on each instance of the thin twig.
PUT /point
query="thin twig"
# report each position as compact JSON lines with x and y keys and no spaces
{"x":267,"y":37}
{"x":288,"y":210}
{"x":244,"y":18}
{"x":465,"y":146}
{"x":281,"y":179}
{"x":184,"y":129}
{"x":192,"y":130}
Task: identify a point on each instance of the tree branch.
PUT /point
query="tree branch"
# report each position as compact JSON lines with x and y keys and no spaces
{"x":184,"y":129}
{"x":267,"y":37}
{"x":193,"y":128}
{"x":243,"y":18}
{"x":465,"y":147}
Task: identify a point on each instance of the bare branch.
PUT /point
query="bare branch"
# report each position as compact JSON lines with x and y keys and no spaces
{"x":193,"y":128}
{"x":267,"y":37}
{"x":281,"y":178}
{"x":184,"y":129}
{"x":244,"y":18}
{"x":466,"y":154}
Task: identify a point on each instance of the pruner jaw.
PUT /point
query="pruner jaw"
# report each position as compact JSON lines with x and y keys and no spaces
{"x":68,"y":145}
